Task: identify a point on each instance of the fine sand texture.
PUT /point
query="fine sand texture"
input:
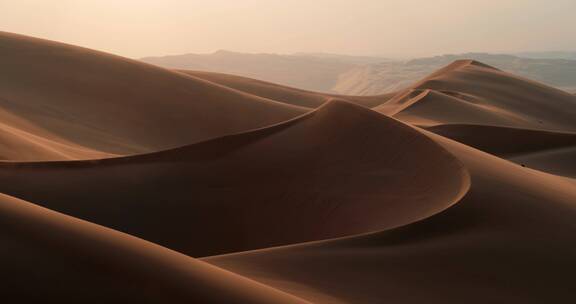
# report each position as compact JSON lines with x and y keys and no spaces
{"x":122,"y":182}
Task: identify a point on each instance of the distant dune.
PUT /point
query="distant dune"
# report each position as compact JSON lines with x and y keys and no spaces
{"x":358,"y":75}
{"x":124,"y":182}
{"x":293,"y":96}
{"x":228,"y":171}
{"x":467,"y":91}
{"x":305,"y":71}
{"x":391,"y":76}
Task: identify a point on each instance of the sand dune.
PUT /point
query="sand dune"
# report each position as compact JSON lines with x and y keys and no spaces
{"x":430,"y":107}
{"x":48,"y":256}
{"x":114,"y":105}
{"x":315,"y":169}
{"x":284,"y":94}
{"x":360,"y":75}
{"x":556,"y":161}
{"x":389,"y":76}
{"x":547,"y":151}
{"x":509,"y":240}
{"x":125,"y":182}
{"x":471,"y":92}
{"x":307,"y":71}
{"x":504,"y":141}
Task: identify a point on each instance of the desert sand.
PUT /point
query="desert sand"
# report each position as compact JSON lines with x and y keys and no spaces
{"x":108,"y":104}
{"x":361,"y":75}
{"x":123,"y":182}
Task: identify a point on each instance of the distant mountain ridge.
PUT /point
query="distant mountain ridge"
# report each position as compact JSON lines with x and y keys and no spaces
{"x":317,"y":72}
{"x":548,"y":55}
{"x":367,"y":75}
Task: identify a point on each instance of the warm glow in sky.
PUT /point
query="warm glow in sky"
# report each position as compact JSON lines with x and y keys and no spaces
{"x":138,"y":28}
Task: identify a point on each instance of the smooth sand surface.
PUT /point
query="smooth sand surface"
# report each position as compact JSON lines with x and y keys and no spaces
{"x":115,"y":105}
{"x":509,"y":240}
{"x":127,"y":183}
{"x":49,"y":257}
{"x":471,"y":92}
{"x":307,"y":179}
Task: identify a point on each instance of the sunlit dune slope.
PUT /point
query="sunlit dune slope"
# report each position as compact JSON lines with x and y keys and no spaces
{"x":83,"y":99}
{"x":471,"y":92}
{"x":21,"y":140}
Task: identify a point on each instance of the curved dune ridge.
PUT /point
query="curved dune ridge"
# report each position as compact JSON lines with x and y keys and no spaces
{"x":548,"y":151}
{"x":123,"y":182}
{"x":339,"y":170}
{"x":470,"y":92}
{"x":510,"y":240}
{"x":282,"y":93}
{"x":430,"y":107}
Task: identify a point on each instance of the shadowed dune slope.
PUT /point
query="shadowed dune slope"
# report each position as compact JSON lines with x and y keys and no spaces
{"x":546,"y":151}
{"x":509,"y":240}
{"x":71,"y":96}
{"x":471,"y":92}
{"x":49,"y":257}
{"x":556,"y":161}
{"x":429,"y":107}
{"x":504,"y":141}
{"x":282,"y":93}
{"x":339,"y":170}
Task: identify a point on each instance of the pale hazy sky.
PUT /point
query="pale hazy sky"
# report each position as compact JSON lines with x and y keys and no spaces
{"x":136,"y":28}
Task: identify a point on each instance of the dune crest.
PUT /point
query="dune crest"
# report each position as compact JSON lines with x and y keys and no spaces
{"x":281,"y":93}
{"x":509,"y":239}
{"x":470,"y":92}
{"x":114,"y":105}
{"x":122,"y":182}
{"x":314,"y":168}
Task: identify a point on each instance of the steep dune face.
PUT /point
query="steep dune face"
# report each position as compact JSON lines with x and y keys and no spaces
{"x":114,"y":105}
{"x":470,"y":92}
{"x":340,"y":170}
{"x":48,"y":256}
{"x":510,"y":239}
